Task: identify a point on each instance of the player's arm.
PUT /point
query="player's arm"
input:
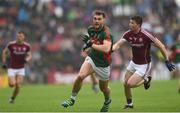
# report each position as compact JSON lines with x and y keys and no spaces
{"x":118,"y":44}
{"x":28,"y":56}
{"x":162,"y":48}
{"x":4,"y":55}
{"x":105,"y":47}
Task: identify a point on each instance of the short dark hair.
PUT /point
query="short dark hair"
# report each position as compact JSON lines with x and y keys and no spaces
{"x":22,"y":32}
{"x":138,"y":19}
{"x":99,"y":12}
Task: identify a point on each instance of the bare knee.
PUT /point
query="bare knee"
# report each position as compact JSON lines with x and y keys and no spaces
{"x":104,"y":89}
{"x":12,"y":85}
{"x":125,"y":84}
{"x":18,"y":85}
{"x":130,"y":84}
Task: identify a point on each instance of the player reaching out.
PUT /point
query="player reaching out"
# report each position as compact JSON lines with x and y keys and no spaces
{"x":139,"y":67}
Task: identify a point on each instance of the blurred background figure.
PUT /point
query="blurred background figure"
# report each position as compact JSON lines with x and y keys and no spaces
{"x":54,"y":25}
{"x":19,"y":53}
{"x":175,"y":57}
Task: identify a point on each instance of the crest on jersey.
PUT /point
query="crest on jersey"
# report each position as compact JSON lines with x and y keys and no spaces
{"x":19,"y":49}
{"x":140,"y":39}
{"x":24,"y":49}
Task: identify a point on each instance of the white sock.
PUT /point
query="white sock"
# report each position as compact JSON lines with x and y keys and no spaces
{"x":73,"y":96}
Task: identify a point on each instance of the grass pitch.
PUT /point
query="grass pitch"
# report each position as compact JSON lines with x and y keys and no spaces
{"x":161,"y":97}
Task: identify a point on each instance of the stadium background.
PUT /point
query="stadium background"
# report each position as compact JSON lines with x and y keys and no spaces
{"x":52,"y":28}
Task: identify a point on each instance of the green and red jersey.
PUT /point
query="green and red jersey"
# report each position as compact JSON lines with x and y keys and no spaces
{"x":99,"y":58}
{"x":175,"y":56}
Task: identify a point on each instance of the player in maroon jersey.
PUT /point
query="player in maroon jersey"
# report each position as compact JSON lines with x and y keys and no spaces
{"x":19,"y":54}
{"x":139,"y":67}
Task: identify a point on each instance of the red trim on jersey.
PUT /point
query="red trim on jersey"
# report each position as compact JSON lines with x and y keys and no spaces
{"x":106,"y":30}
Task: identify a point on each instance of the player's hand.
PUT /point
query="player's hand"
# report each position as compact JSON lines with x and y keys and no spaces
{"x":4,"y":66}
{"x":84,"y":38}
{"x":87,"y":45}
{"x":170,"y":66}
{"x":25,"y":61}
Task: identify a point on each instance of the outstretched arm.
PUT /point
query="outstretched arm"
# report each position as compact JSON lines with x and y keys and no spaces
{"x":118,"y":44}
{"x":162,"y":48}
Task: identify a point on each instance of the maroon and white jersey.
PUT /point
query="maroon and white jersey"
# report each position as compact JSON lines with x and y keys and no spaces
{"x":18,"y":53}
{"x":141,"y":45}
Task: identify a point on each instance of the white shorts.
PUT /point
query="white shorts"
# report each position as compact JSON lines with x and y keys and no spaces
{"x":142,"y":70}
{"x":178,"y":66}
{"x":102,"y":73}
{"x":14,"y":72}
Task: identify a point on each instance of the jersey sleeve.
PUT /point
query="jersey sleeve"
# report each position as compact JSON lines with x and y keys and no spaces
{"x":125,"y":35}
{"x":28,"y":48}
{"x":108,"y":34}
{"x":151,"y":36}
{"x":8,"y":46}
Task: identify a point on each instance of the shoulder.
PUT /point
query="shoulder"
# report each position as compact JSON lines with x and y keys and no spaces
{"x":107,"y":32}
{"x":11,"y":43}
{"x":148,"y":34}
{"x":26,"y":44}
{"x":127,"y":33}
{"x":107,"y":29}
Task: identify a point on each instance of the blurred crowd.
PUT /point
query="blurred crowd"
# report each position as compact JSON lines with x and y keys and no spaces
{"x":53,"y":26}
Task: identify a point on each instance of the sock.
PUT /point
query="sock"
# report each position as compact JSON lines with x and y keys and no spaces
{"x":146,"y":79}
{"x":129,"y":101}
{"x":107,"y":99}
{"x":73,"y":95}
{"x":12,"y":98}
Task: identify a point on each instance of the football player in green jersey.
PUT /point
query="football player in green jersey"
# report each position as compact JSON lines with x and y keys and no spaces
{"x":98,"y":61}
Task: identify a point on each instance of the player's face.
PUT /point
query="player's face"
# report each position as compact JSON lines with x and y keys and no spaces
{"x":98,"y":21}
{"x":133,"y":26}
{"x":20,"y":37}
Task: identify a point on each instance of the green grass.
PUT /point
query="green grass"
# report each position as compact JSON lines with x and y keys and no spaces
{"x":161,"y":97}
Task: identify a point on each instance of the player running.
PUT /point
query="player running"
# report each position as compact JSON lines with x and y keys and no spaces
{"x":19,"y":54}
{"x":98,"y":60}
{"x":140,"y":65}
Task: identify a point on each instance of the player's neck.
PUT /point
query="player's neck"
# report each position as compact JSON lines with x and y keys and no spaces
{"x":19,"y":42}
{"x":137,"y":31}
{"x":98,"y":29}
